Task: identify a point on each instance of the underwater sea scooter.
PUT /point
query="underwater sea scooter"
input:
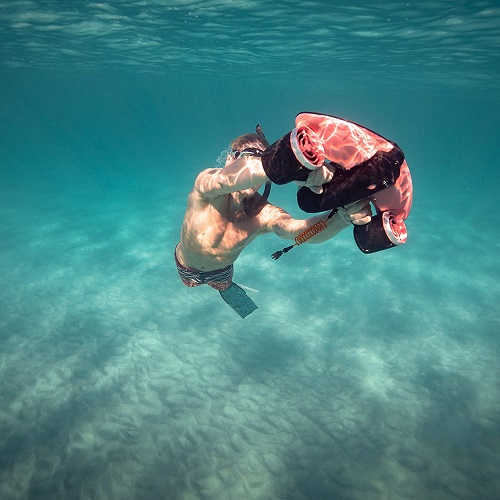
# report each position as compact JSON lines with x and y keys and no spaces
{"x":365,"y":165}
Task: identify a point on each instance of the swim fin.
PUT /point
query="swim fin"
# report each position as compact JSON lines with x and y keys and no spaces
{"x":238,"y":300}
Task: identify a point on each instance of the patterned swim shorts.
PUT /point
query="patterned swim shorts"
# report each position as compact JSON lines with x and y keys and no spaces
{"x":220,"y":279}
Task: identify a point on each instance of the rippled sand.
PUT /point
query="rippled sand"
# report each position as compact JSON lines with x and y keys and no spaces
{"x":118,"y":382}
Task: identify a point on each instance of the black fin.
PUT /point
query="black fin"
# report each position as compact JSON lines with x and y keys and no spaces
{"x":238,"y":300}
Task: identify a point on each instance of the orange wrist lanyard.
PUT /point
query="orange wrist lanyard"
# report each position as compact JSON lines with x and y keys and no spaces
{"x":306,"y":235}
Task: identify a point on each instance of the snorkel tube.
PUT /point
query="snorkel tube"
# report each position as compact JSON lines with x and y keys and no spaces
{"x":365,"y":165}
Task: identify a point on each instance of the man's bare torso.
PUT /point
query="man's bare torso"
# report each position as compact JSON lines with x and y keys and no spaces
{"x":209,"y":241}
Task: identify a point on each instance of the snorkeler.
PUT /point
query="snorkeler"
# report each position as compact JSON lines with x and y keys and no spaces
{"x":225,"y":212}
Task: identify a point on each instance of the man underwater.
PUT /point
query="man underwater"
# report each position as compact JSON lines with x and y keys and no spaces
{"x":225,"y":213}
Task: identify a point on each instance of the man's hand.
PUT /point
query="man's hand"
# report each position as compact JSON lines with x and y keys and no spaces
{"x":357,"y":213}
{"x":316,"y":179}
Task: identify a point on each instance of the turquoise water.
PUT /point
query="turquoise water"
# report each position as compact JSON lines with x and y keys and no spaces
{"x":359,"y":376}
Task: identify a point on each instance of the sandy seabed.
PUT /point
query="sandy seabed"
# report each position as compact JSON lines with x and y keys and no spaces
{"x":358,"y":376}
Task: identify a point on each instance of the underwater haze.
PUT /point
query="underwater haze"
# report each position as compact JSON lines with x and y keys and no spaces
{"x":359,"y":376}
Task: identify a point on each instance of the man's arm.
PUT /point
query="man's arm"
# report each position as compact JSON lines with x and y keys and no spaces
{"x":285,"y":226}
{"x":245,"y":172}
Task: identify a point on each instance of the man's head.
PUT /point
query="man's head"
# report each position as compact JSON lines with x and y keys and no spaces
{"x":247,"y":141}
{"x":257,"y":140}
